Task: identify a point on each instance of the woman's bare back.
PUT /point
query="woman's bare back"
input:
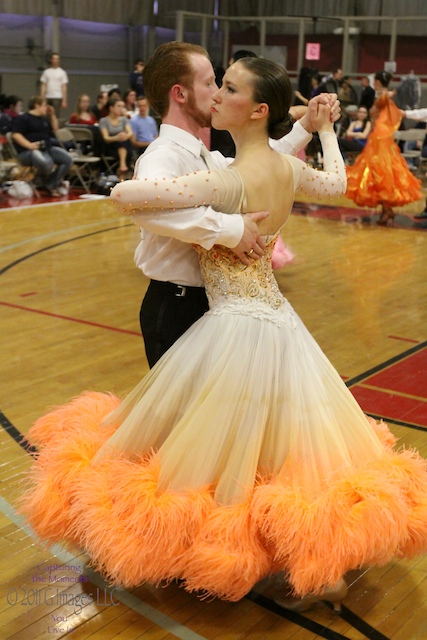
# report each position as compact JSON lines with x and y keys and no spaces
{"x":269,"y":186}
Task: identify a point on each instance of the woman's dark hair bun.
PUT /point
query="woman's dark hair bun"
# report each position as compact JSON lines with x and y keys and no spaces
{"x":277,"y":130}
{"x":384,"y":77}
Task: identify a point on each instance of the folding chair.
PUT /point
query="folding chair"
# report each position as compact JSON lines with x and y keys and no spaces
{"x":26,"y":172}
{"x":111,"y":163}
{"x":84,"y":137}
{"x":411,"y":135}
{"x":6,"y":166}
{"x":85,"y":134}
{"x":422,"y":164}
{"x":83,"y":165}
{"x":6,"y":169}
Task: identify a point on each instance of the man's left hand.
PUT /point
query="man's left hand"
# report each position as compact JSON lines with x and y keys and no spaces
{"x":309,"y":119}
{"x":298,"y":111}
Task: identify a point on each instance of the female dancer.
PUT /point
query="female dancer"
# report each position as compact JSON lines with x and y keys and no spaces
{"x":380,"y":175}
{"x":242,"y":453}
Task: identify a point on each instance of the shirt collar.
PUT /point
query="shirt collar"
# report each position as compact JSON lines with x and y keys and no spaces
{"x":182,"y":138}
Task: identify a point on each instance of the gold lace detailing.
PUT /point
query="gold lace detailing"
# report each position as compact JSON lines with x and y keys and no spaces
{"x":233,"y":287}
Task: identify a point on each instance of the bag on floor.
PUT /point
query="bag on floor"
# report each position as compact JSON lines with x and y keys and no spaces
{"x":19,"y":189}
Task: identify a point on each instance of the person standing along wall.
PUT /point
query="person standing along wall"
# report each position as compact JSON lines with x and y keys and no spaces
{"x":54,"y":84}
{"x":135,"y":78}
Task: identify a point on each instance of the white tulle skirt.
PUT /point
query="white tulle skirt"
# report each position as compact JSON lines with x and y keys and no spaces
{"x":240,"y":395}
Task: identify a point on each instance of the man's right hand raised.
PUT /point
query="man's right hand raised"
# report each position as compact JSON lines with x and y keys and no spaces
{"x":251,"y":245}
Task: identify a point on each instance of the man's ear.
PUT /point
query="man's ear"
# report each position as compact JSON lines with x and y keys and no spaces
{"x":261,"y":111}
{"x":178,"y":93}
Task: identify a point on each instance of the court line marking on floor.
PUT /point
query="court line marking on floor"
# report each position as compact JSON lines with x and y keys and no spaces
{"x":404,"y":339}
{"x":392,"y":392}
{"x":400,"y":423}
{"x":58,"y":244}
{"x":59,"y":232}
{"x":126,"y":598}
{"x":16,"y":435}
{"x":57,"y":203}
{"x":306,"y":623}
{"x":386,"y":365}
{"x":70,"y":319}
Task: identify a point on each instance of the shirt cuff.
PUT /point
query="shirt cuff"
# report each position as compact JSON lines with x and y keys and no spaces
{"x":232,"y":231}
{"x":298,"y":137}
{"x":416,"y":114}
{"x":295,"y":140}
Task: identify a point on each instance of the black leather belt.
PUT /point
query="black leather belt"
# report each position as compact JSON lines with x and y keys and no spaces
{"x":177,"y":290}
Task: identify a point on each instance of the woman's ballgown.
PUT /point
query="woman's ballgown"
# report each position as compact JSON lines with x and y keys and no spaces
{"x":380,"y":174}
{"x":241,"y":454}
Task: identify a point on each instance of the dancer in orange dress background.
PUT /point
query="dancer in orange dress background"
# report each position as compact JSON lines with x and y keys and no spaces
{"x":380,"y":175}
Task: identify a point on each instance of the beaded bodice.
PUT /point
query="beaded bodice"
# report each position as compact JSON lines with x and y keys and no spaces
{"x":234,"y":287}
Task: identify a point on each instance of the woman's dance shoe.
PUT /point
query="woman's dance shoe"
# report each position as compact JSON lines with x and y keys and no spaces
{"x":335,"y":595}
{"x":386,"y":216}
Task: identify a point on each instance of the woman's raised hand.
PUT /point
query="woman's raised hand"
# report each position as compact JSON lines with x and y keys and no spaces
{"x":322,"y":119}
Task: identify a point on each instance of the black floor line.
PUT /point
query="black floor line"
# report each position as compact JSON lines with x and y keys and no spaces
{"x":387,"y":363}
{"x":380,"y":367}
{"x":401,"y":423}
{"x":361,"y":625}
{"x":314,"y":627}
{"x":58,"y":244}
{"x":16,"y":435}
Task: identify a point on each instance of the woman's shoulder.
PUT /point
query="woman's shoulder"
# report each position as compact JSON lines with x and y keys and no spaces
{"x":288,"y":160}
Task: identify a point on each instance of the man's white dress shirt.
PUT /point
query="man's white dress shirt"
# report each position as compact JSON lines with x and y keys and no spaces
{"x":416,"y":114}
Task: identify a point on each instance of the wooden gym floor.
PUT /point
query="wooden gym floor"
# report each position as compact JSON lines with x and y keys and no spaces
{"x":69,"y":303}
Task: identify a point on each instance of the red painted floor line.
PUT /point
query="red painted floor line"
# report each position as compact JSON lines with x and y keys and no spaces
{"x":61,"y":317}
{"x":404,"y":339}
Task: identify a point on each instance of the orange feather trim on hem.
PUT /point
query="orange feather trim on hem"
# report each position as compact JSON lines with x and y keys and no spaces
{"x":135,"y":533}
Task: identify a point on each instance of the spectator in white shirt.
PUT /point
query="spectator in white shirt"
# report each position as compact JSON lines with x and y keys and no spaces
{"x":54,"y":85}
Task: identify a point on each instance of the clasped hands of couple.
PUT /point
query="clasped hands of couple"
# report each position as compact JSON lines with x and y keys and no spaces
{"x":252,"y":246}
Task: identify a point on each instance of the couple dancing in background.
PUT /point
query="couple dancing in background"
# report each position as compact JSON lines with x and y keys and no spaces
{"x":241,"y":454}
{"x":380,"y":174}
